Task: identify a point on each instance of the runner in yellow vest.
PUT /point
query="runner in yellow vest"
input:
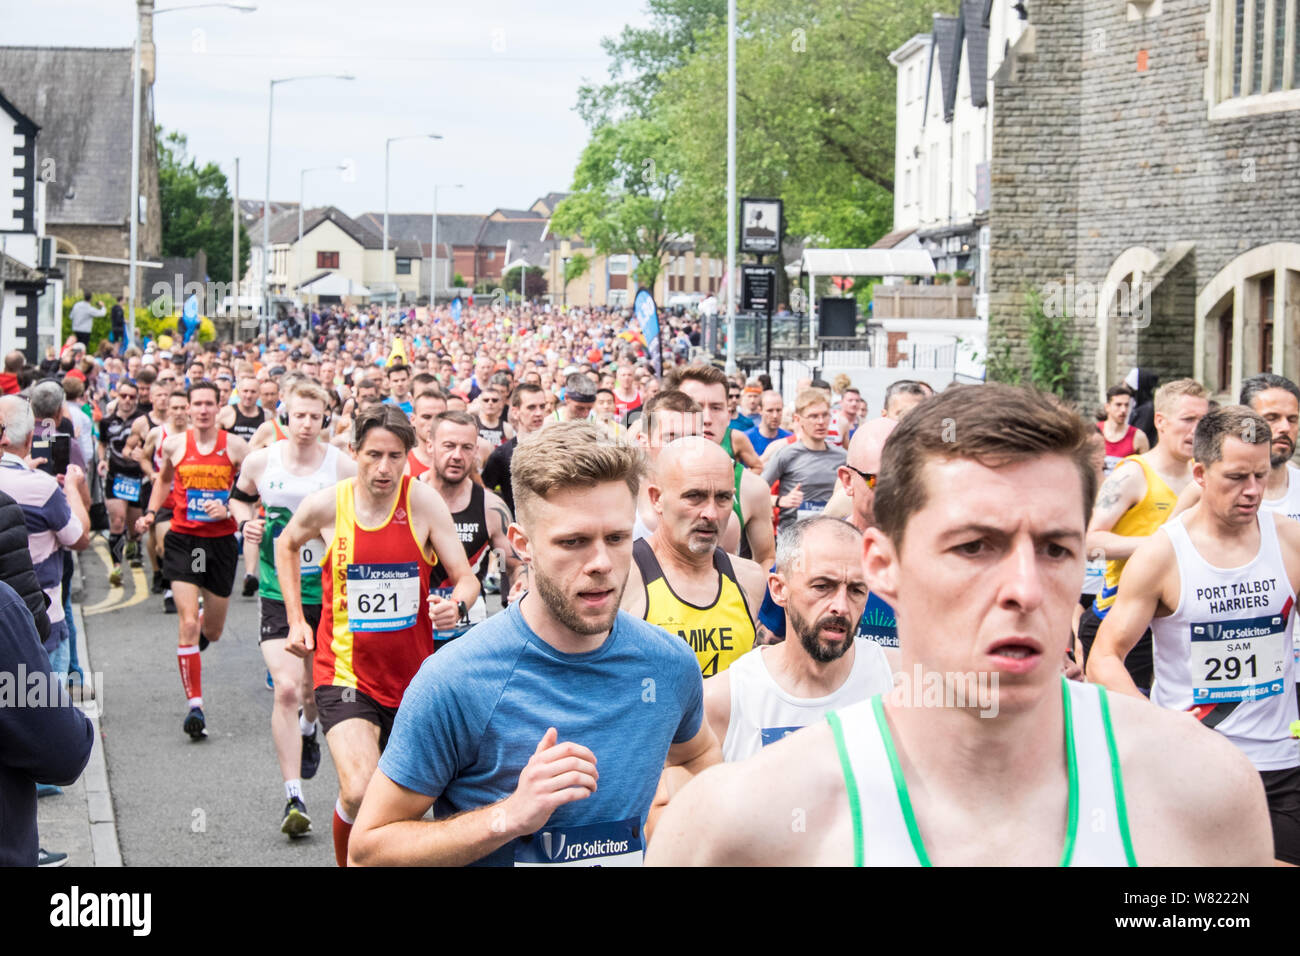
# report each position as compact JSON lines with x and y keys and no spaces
{"x":1137,"y":498}
{"x":681,"y":579}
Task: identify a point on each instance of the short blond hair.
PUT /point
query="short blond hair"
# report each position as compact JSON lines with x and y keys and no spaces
{"x":304,"y":387}
{"x":566,"y":455}
{"x":808,"y":398}
{"x":1168,"y":394}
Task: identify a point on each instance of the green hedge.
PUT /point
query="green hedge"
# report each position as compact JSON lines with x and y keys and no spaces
{"x":146,"y":324}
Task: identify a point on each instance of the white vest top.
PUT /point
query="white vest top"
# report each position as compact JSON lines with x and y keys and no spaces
{"x":1227,"y":649}
{"x":1288,"y":505}
{"x":885,"y":830}
{"x":762,"y":713}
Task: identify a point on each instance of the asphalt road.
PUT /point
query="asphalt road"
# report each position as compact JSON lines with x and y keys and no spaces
{"x":178,"y":802}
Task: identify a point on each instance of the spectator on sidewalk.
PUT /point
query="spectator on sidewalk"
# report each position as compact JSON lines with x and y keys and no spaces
{"x":48,"y":744}
{"x":83,"y":318}
{"x":16,"y":563}
{"x":55,"y":520}
{"x":117,"y":333}
{"x":14,"y":363}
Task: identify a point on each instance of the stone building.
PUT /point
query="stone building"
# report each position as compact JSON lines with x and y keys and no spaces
{"x":1146,"y":181}
{"x":81,"y":100}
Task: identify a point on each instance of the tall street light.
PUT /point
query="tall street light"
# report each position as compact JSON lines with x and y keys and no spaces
{"x":135,"y":148}
{"x":433,"y":262}
{"x":387,"y":143}
{"x":302,"y":178}
{"x":731,"y":187}
{"x":266,"y":202}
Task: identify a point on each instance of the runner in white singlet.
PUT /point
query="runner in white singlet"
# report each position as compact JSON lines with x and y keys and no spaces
{"x":1221,"y":631}
{"x":821,"y":666}
{"x":983,"y":754}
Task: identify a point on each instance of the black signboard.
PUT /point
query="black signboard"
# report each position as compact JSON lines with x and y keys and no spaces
{"x":757,"y":289}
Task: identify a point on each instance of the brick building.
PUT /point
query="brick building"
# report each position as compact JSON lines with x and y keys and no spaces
{"x":1146,"y":179}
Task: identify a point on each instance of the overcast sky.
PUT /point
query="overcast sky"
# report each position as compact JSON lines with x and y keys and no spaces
{"x":497,"y":78}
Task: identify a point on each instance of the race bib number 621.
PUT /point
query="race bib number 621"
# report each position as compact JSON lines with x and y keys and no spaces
{"x":383,"y":597}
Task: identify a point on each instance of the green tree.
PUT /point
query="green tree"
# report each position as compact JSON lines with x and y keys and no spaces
{"x":624,"y":194}
{"x":534,"y":281}
{"x":641,"y":58}
{"x":196,"y":207}
{"x":576,"y":267}
{"x":1052,"y":347}
{"x":815,"y":116}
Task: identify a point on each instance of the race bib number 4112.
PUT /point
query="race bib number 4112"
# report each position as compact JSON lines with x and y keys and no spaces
{"x":1238,"y":661}
{"x":383,"y":597}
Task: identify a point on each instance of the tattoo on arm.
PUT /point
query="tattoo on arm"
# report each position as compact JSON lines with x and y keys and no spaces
{"x":1111,"y":492}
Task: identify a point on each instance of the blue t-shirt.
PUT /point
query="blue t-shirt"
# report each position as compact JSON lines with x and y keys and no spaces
{"x":475,"y":712}
{"x":405,"y":406}
{"x":877,"y":622}
{"x":760,"y":442}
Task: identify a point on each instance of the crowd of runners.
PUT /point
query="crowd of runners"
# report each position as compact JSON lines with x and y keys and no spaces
{"x":523,"y":570}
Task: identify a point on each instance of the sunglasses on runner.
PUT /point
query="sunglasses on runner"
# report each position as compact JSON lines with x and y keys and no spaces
{"x":869,"y":478}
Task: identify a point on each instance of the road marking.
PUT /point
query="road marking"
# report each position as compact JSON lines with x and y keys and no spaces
{"x":117,"y":599}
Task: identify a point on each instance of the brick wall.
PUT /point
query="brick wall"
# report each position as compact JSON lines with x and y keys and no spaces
{"x":1092,"y":156}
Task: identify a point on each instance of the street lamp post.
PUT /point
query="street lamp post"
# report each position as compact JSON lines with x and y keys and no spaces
{"x":135,"y":151}
{"x":433,"y":254}
{"x":731,"y":187}
{"x":266,"y":202}
{"x":302,"y":178}
{"x":387,"y":143}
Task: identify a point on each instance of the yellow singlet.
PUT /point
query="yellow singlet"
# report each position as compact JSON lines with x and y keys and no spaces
{"x":718,"y":633}
{"x":1142,"y":519}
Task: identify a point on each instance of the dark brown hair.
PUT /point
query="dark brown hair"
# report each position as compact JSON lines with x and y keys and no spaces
{"x":1230,"y":421}
{"x":671,"y":400}
{"x":389,"y":418}
{"x":707,"y":374}
{"x":992,"y":424}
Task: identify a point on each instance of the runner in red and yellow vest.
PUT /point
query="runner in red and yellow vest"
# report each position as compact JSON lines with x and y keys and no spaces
{"x":384,"y":534}
{"x":199,"y":551}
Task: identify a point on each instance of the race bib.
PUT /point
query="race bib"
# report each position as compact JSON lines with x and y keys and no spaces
{"x":599,"y":844}
{"x":127,"y":488}
{"x":477,"y":613}
{"x":383,"y":597}
{"x":194,"y":498}
{"x":1238,"y":661}
{"x":310,"y":555}
{"x":770,"y":735}
{"x":811,"y":507}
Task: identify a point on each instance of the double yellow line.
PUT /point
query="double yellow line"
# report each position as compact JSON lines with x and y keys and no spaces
{"x":117,"y":599}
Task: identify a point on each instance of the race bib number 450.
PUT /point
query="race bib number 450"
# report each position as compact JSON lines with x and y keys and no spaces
{"x":383,"y":597}
{"x":195,"y":498}
{"x":1239,"y":660}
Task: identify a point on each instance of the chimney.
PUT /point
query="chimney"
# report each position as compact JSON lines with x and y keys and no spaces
{"x":145,"y":14}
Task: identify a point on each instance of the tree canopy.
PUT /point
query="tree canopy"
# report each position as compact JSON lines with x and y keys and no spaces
{"x":196,"y":207}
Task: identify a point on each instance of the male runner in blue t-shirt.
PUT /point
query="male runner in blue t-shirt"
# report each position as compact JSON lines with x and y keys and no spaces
{"x":539,"y":737}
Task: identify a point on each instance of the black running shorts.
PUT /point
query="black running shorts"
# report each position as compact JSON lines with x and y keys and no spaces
{"x":275,"y":622}
{"x":208,"y":563}
{"x":337,"y":704}
{"x":1282,"y":787}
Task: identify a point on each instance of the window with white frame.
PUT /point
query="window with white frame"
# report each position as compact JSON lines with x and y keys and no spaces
{"x":618,"y":265}
{"x":1255,"y":65}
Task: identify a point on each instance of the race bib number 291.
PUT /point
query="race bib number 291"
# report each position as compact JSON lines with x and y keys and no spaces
{"x":1238,"y":660}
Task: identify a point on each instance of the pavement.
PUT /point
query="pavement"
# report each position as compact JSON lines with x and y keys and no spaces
{"x":151,"y":796}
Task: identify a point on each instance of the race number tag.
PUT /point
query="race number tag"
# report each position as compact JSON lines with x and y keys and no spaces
{"x":477,"y":613}
{"x":1238,"y":661}
{"x":599,"y":844}
{"x":194,"y":498}
{"x":770,"y":735}
{"x":383,"y":597}
{"x":310,"y":555}
{"x":126,"y":488}
{"x":811,"y":507}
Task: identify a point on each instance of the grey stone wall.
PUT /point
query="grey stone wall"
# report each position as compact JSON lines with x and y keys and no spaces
{"x":1092,"y":156}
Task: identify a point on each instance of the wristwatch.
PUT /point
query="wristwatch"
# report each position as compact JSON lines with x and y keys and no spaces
{"x":464,"y":612}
